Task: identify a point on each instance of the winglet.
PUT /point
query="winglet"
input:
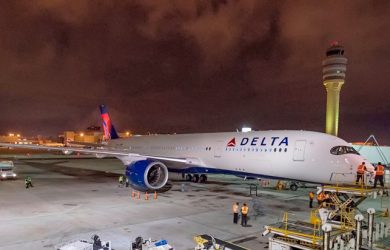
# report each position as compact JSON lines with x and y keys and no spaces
{"x":109,"y":130}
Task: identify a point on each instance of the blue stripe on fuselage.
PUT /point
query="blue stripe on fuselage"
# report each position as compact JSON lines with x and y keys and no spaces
{"x":204,"y":170}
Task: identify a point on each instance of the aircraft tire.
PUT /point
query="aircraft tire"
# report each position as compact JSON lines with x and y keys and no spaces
{"x":188,"y":177}
{"x":196,"y":178}
{"x":293,"y":187}
{"x":203,"y":178}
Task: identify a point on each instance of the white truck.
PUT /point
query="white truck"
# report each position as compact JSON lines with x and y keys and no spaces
{"x":7,"y":170}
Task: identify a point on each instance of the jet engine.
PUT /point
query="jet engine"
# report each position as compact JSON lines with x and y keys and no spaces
{"x":146,"y":175}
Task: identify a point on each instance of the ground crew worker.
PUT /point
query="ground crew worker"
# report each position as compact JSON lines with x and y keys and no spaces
{"x":244,"y":213}
{"x":120,"y":181}
{"x":311,"y":198}
{"x":326,"y":201}
{"x":327,"y":197}
{"x":235,"y":212}
{"x":28,"y":182}
{"x":320,"y":198}
{"x":379,"y":172}
{"x":360,"y":173}
{"x":127,"y":182}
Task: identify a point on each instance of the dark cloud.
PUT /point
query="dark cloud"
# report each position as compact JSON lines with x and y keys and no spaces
{"x":191,"y":66}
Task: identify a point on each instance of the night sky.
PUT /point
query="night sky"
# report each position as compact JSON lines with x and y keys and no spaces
{"x":191,"y":66}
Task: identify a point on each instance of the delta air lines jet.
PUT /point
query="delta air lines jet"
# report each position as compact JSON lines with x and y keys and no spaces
{"x":279,"y":154}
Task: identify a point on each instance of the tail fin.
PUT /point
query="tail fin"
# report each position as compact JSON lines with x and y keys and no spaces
{"x":109,"y":130}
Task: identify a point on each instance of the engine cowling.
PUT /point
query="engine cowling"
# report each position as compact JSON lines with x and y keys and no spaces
{"x":147,"y":175}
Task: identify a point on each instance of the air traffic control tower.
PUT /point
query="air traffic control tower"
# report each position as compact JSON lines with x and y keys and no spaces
{"x":334,"y":67}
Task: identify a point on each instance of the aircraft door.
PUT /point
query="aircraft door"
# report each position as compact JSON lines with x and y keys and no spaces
{"x":299,"y":150}
{"x":218,"y":150}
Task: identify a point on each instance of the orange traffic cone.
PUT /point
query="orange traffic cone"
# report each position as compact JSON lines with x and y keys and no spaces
{"x":139,"y":195}
{"x":155,"y":195}
{"x":146,"y":196}
{"x":132,"y":194}
{"x":386,"y":213}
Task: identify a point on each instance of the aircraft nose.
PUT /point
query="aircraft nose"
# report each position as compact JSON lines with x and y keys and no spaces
{"x":356,"y":160}
{"x":369,"y":166}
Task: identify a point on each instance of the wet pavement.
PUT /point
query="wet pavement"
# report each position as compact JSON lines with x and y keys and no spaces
{"x":74,"y":199}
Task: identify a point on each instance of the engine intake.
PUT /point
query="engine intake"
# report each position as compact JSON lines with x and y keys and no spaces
{"x":147,"y":175}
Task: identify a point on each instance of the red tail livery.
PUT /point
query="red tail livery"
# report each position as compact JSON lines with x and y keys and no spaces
{"x":109,"y":130}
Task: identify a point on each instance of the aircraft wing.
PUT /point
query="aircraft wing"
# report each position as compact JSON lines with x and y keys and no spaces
{"x":70,"y":144}
{"x":99,"y":151}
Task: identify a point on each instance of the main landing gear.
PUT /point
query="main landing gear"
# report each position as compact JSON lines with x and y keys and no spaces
{"x":196,"y":178}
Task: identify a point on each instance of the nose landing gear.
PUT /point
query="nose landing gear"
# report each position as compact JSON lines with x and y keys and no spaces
{"x":293,"y":186}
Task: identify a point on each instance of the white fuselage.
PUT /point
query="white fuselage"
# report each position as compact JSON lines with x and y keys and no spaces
{"x":296,"y":155}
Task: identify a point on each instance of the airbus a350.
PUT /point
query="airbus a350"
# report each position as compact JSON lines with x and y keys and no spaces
{"x":299,"y":156}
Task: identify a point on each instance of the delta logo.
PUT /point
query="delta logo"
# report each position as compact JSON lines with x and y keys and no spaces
{"x":257,"y":141}
{"x":232,"y":143}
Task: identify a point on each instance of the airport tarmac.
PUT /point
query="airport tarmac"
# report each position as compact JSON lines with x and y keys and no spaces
{"x":74,"y":199}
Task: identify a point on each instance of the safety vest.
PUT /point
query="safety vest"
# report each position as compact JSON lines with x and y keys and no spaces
{"x":380,"y":170}
{"x":311,"y":195}
{"x":244,"y":210}
{"x":320,"y":196}
{"x":360,"y":169}
{"x":235,"y":209}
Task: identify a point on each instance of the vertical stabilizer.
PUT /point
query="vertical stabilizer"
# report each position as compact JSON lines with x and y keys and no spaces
{"x":109,"y":130}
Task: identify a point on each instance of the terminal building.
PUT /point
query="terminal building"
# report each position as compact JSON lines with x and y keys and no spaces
{"x":16,"y":139}
{"x":92,"y":134}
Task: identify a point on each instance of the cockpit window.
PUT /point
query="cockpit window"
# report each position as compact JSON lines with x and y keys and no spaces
{"x":341,"y":150}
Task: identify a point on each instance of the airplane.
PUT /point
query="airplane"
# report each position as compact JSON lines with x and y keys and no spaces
{"x":295,"y":155}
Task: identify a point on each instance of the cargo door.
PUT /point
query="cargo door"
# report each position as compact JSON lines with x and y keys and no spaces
{"x":299,"y":150}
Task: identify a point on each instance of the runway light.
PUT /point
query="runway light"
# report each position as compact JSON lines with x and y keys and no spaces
{"x":18,"y":135}
{"x":127,"y":133}
{"x":11,"y":134}
{"x":81,"y":134}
